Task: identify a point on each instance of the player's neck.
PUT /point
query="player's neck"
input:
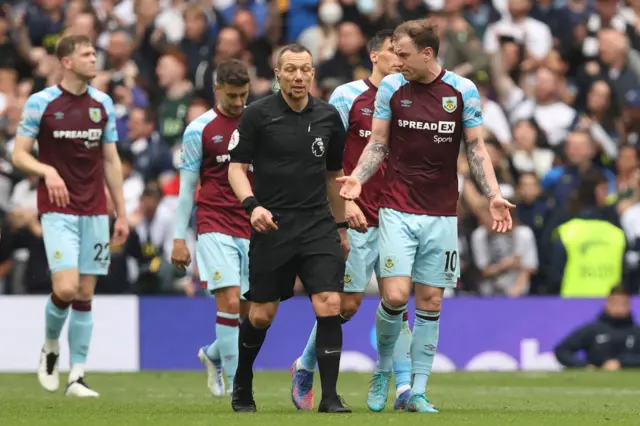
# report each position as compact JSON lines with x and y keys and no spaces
{"x":223,"y":111}
{"x":376,"y":77}
{"x":432,"y":73}
{"x":74,"y":86}
{"x":296,"y":104}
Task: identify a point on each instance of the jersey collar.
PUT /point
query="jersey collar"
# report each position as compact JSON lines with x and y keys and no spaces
{"x":286,"y":108}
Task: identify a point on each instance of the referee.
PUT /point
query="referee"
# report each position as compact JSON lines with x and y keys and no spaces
{"x":295,"y":144}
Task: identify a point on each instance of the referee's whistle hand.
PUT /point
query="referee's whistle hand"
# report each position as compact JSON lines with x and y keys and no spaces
{"x":262,"y":220}
{"x":351,"y":187}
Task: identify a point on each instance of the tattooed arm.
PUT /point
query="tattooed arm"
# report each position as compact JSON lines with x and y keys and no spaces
{"x":480,"y":166}
{"x":375,"y":152}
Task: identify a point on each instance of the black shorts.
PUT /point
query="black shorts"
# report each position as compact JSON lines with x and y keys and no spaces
{"x":306,"y":245}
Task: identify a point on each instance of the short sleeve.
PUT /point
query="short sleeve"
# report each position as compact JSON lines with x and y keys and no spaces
{"x":243,"y":139}
{"x":110,"y":130}
{"x":472,"y":111}
{"x":336,"y":146}
{"x":388,"y":86}
{"x":480,"y":248}
{"x":31,"y":115}
{"x":526,"y":247}
{"x":191,"y":156}
{"x":339,"y":102}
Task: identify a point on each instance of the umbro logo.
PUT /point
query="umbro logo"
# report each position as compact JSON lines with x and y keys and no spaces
{"x":406,"y":103}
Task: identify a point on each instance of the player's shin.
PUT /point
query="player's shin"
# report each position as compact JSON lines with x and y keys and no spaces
{"x":227,"y":341}
{"x":388,"y":327}
{"x":308,"y":359}
{"x":426,"y":330}
{"x":328,"y":352}
{"x":80,"y":330}
{"x":56,"y":312}
{"x":402,"y":357}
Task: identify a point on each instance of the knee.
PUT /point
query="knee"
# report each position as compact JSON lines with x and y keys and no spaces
{"x":430,"y":302}
{"x":326,"y":303}
{"x":67,"y":292}
{"x":395,"y":297}
{"x":349,"y":306}
{"x":261,"y":316}
{"x":228,"y":300}
{"x":84,"y":294}
{"x":396,"y":291}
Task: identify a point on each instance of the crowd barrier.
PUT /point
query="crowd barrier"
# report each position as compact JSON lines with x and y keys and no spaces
{"x":164,"y":333}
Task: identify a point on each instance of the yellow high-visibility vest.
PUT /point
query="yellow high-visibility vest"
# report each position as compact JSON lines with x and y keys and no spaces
{"x":595,"y":254}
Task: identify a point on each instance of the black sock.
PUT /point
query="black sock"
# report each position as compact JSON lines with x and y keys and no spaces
{"x":328,"y":351}
{"x":249,"y":343}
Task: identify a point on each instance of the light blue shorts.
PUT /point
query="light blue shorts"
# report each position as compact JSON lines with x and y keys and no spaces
{"x":223,"y":261}
{"x":419,"y":246}
{"x":363,"y":260}
{"x":77,"y":242}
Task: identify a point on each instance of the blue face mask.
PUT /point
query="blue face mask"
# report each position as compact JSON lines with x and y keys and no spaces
{"x":366,"y":7}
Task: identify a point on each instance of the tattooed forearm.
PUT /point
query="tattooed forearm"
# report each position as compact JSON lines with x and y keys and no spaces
{"x":481,"y":168}
{"x":370,"y":161}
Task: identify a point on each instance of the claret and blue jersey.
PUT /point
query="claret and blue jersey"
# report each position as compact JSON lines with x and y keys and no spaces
{"x":70,"y":130}
{"x":426,"y":126}
{"x":355,"y":102}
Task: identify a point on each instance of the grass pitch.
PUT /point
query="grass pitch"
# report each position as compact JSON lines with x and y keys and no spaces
{"x":473,"y":399}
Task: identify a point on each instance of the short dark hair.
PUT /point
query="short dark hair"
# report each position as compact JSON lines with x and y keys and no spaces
{"x":422,"y":32}
{"x":232,"y":72}
{"x":67,"y":45}
{"x":620,"y":290}
{"x":149,"y":115}
{"x":376,"y":42}
{"x":293,"y":48}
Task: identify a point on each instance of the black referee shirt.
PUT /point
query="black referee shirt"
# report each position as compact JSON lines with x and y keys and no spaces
{"x":291,"y":152}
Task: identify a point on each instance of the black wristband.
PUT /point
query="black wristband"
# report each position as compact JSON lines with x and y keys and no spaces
{"x":249,"y":204}
{"x":344,"y":225}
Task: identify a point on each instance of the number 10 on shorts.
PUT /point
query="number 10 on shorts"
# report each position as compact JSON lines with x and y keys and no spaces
{"x":450,"y":261}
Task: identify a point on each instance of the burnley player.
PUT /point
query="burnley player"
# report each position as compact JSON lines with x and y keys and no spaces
{"x":223,"y":225}
{"x":420,"y":117}
{"x":355,"y":102}
{"x":75,"y":127}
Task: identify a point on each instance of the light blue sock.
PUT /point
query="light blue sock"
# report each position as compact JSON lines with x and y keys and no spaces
{"x":80,"y":329}
{"x":212,"y":351}
{"x":402,"y":355}
{"x":426,"y":331}
{"x":308,"y":358}
{"x":227,"y":331}
{"x":388,"y":326}
{"x":54,"y":318}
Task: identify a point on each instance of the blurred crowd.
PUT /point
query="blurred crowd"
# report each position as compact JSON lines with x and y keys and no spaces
{"x":559,"y":80}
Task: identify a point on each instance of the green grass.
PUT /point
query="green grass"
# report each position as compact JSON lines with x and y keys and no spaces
{"x":473,"y":399}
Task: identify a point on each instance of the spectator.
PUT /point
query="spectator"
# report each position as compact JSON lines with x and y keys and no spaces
{"x":587,"y":251}
{"x":150,"y":155}
{"x":198,"y":43}
{"x":609,"y":343}
{"x":178,"y":94}
{"x":528,"y":157}
{"x":506,"y":261}
{"x":351,"y":60}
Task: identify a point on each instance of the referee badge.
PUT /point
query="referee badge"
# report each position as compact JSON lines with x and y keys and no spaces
{"x":233,"y":141}
{"x":450,"y":103}
{"x":317,"y":147}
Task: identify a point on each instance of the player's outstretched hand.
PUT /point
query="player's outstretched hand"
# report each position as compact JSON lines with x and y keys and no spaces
{"x":120,"y":231}
{"x":180,"y":255}
{"x":355,"y":217}
{"x":499,"y":208}
{"x":351,"y":187}
{"x":262,"y":220}
{"x":57,"y":189}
